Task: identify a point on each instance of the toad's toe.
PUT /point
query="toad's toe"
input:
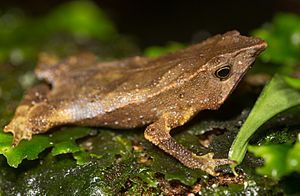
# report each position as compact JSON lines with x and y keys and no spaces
{"x":208,"y":164}
{"x":20,"y":130}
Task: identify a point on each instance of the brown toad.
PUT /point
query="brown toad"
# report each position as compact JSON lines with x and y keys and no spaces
{"x":163,"y":92}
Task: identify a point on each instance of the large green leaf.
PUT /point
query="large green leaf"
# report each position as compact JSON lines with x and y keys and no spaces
{"x":278,"y":96}
{"x":280,"y":159}
{"x":283,"y":37}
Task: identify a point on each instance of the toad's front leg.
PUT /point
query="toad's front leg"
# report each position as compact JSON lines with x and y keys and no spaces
{"x":34,"y":115}
{"x":159,"y":134}
{"x":21,"y":125}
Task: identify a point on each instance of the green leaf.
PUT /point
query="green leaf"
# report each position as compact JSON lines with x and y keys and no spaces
{"x":81,"y":157}
{"x":283,"y":38}
{"x":276,"y":97}
{"x":280,"y":159}
{"x":293,"y":159}
{"x":25,"y":150}
{"x":62,"y":141}
{"x":293,"y":82}
{"x":275,"y":157}
{"x":65,"y":147}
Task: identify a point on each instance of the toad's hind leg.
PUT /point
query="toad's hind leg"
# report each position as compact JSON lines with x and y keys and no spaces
{"x":158,"y":134}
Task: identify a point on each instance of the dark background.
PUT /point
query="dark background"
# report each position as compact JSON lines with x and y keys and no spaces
{"x":157,"y":22}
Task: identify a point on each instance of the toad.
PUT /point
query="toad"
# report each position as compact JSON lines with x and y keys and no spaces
{"x":159,"y":93}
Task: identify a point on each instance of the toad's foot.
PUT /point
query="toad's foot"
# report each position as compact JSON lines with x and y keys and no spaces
{"x":20,"y":125}
{"x":207,"y":163}
{"x":33,"y":119}
{"x":20,"y":129}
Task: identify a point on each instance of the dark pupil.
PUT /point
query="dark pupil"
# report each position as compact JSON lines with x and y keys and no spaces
{"x":223,"y":72}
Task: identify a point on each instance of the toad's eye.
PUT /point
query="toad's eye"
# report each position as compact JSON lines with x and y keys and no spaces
{"x":223,"y":72}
